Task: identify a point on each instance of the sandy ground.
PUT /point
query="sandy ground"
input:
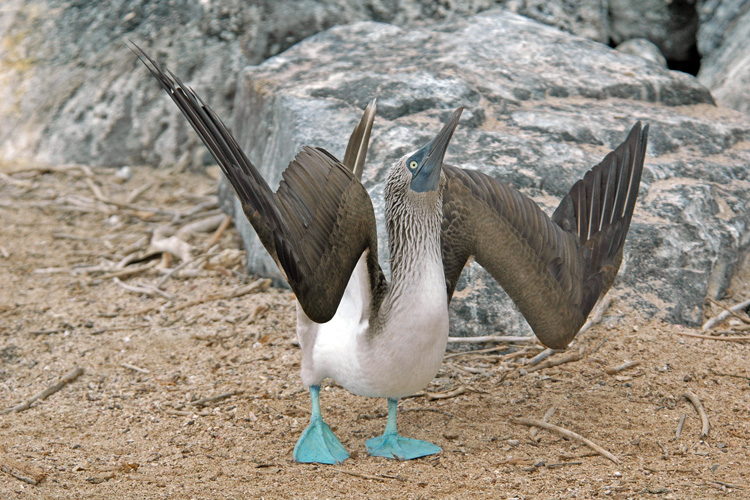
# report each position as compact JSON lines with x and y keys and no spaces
{"x":133,"y":424}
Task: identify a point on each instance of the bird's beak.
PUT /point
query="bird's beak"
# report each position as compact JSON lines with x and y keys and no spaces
{"x":427,"y":178}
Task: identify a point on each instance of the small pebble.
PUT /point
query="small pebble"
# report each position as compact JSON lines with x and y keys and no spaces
{"x":124,"y":173}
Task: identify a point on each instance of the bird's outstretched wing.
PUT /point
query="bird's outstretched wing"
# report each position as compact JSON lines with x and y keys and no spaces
{"x":315,"y":226}
{"x":554,"y":269}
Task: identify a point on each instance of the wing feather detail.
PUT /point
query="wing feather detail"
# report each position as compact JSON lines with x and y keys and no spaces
{"x":317,"y":224}
{"x":554,"y":269}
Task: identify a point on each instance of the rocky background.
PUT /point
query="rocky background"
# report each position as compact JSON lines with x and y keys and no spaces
{"x":546,"y":98}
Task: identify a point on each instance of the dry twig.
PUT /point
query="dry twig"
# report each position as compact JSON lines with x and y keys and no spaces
{"x":731,"y":311}
{"x":705,"y":427}
{"x":135,"y":368}
{"x":725,"y":314}
{"x":217,"y":234}
{"x":20,"y":472}
{"x":516,"y":354}
{"x":204,"y":225}
{"x":542,"y":356}
{"x":622,"y":367}
{"x":147,"y":290}
{"x":679,"y":426}
{"x":195,"y":262}
{"x":712,"y":337}
{"x":569,"y":434}
{"x":128,"y":271}
{"x":369,"y":476}
{"x":214,"y":399}
{"x":137,"y":192}
{"x":599,"y":309}
{"x":65,"y":380}
{"x":547,"y":415}
{"x":431,"y":396}
{"x":566,"y":358}
{"x":490,"y":338}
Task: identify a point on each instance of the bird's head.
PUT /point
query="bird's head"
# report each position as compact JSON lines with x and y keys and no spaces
{"x":417,"y":175}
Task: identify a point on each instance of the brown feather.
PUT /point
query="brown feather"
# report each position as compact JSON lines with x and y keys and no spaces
{"x":318,"y":223}
{"x":554,"y":269}
{"x":356,"y":149}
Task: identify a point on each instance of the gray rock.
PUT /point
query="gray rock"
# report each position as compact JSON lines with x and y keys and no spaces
{"x":723,"y":40}
{"x":671,"y":25}
{"x":586,"y":18}
{"x":717,"y":20}
{"x":73,"y":92}
{"x":542,"y":107}
{"x":643,"y":48}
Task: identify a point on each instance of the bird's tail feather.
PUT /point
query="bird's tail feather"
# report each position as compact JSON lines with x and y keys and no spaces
{"x":356,"y":150}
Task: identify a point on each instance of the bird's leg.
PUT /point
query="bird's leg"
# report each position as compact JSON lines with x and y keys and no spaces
{"x":318,"y":443}
{"x":391,"y":445}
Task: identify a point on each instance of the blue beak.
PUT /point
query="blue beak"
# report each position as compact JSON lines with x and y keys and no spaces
{"x":426,"y":163}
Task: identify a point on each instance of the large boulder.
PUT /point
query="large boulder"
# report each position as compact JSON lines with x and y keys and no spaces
{"x":542,"y":107}
{"x":723,"y":41}
{"x":73,"y":92}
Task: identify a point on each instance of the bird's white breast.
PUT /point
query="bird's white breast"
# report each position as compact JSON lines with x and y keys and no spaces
{"x":399,"y":356}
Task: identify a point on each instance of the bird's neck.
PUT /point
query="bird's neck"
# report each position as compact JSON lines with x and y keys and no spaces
{"x":414,"y":241}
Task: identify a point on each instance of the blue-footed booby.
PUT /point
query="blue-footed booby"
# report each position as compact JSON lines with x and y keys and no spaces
{"x":386,"y":339}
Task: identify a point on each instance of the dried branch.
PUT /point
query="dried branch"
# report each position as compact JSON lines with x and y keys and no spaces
{"x":21,"y":472}
{"x":147,"y":290}
{"x":135,"y":368}
{"x":679,"y":426}
{"x":622,"y":367}
{"x":128,"y":271}
{"x":705,"y":427}
{"x":225,"y":222}
{"x":195,"y":262}
{"x":566,"y":358}
{"x":65,"y":380}
{"x":431,"y":396}
{"x":542,"y":356}
{"x":493,"y":349}
{"x":713,"y":337}
{"x":569,"y":434}
{"x":599,"y":309}
{"x":214,"y":399}
{"x":383,"y":477}
{"x":204,"y":225}
{"x":547,"y":415}
{"x":138,"y":192}
{"x":730,"y":311}
{"x":725,"y":314}
{"x":490,"y":338}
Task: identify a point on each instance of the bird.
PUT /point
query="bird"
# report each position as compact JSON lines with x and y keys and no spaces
{"x":380,"y":338}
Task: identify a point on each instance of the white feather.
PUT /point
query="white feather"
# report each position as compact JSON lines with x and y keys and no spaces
{"x":397,"y":359}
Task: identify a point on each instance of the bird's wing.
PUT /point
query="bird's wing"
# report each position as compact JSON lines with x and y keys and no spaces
{"x":317,"y":224}
{"x":554,"y":269}
{"x":356,"y":150}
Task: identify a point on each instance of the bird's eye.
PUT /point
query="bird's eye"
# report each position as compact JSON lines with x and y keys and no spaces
{"x":413,"y":164}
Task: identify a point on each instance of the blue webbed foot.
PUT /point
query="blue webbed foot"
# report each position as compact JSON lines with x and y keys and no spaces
{"x":319,"y":444}
{"x":399,"y":447}
{"x":391,"y":445}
